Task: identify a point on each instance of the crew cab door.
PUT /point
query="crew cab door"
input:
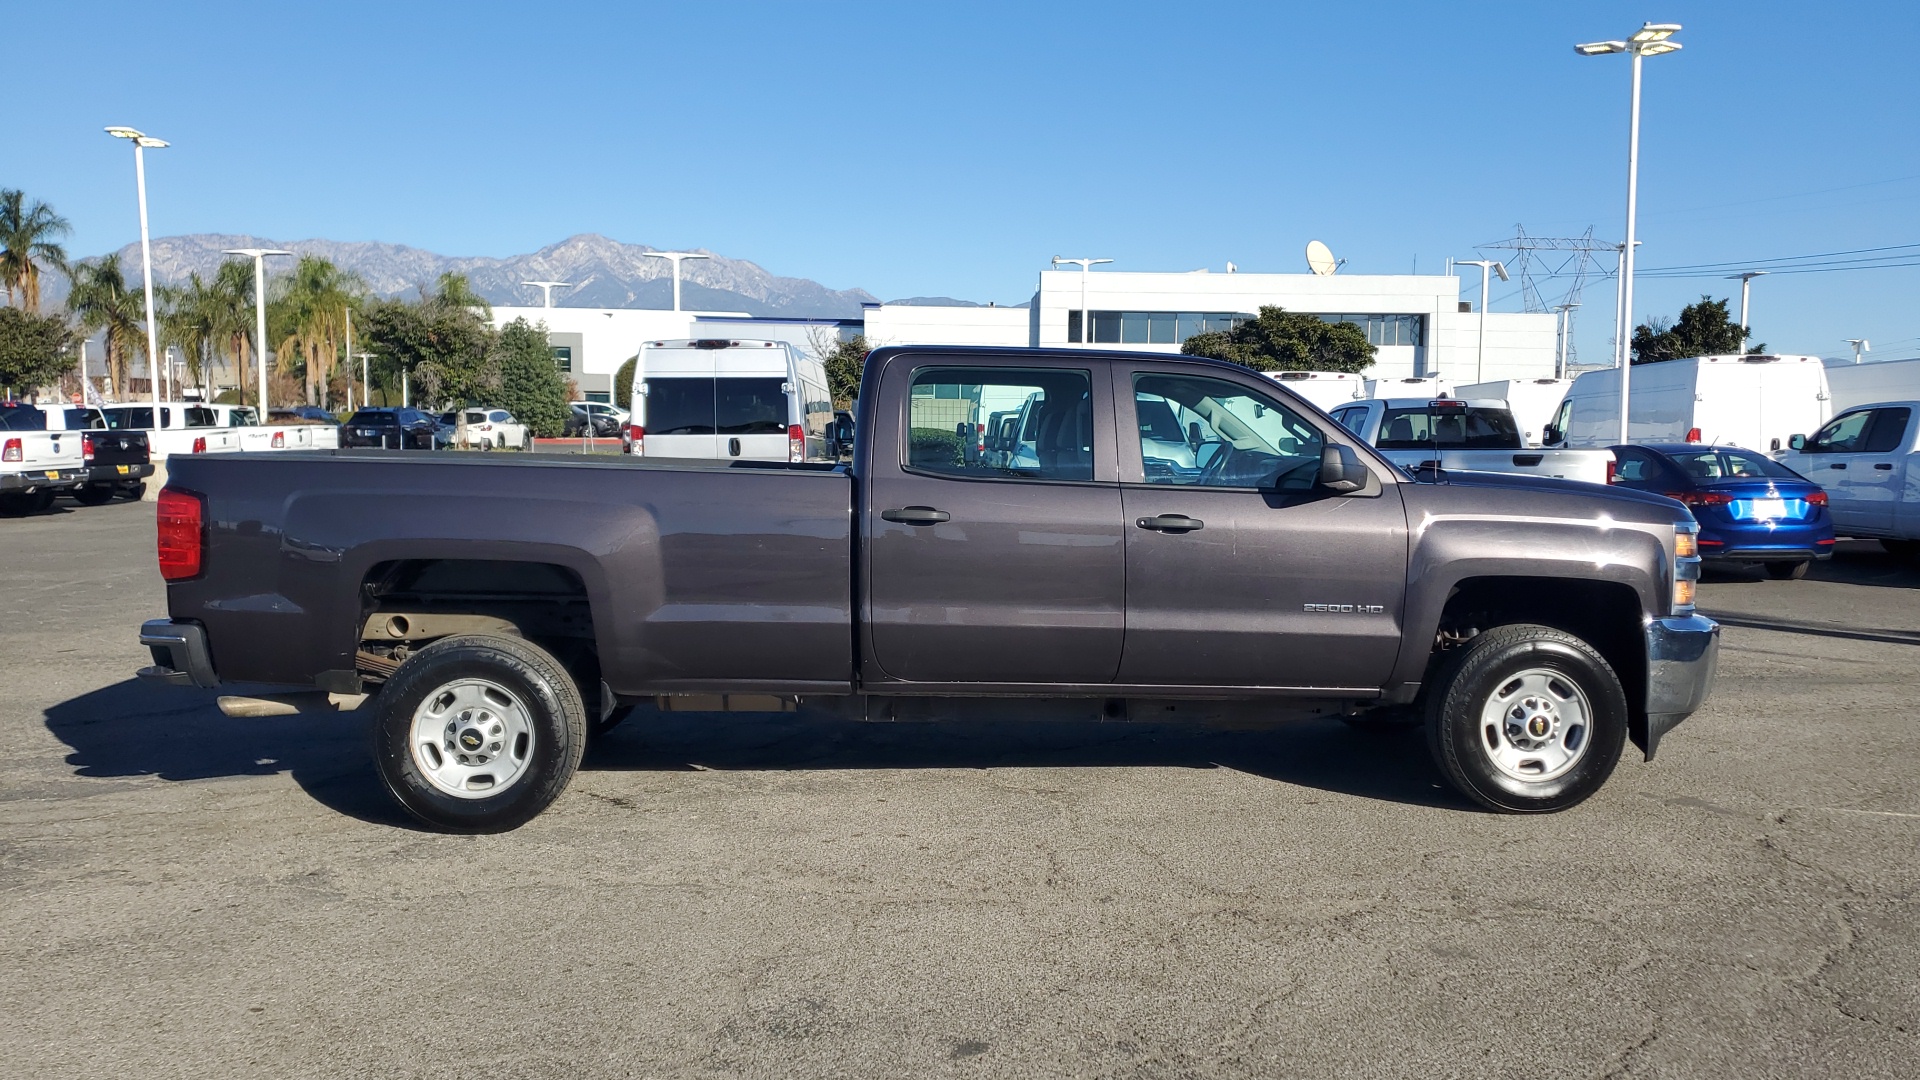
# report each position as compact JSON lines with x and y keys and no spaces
{"x":1241,"y":570}
{"x":983,"y":573}
{"x":1859,"y":457}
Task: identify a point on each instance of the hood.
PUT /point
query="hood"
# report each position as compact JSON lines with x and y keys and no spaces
{"x":1517,"y":484}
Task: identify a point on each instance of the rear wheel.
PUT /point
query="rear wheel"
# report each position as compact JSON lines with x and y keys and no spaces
{"x":136,"y":492}
{"x":1527,"y":719}
{"x":1787,"y":571}
{"x":14,"y":504}
{"x":479,"y":733}
{"x":93,"y":494}
{"x":41,"y":501}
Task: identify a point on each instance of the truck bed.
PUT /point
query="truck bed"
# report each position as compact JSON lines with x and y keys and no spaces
{"x":697,"y":577}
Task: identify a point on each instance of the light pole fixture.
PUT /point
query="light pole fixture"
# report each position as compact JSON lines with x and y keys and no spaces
{"x":1487,"y":268}
{"x":675,"y":257}
{"x":143,"y":142}
{"x":259,"y":256}
{"x":366,"y":382}
{"x":1746,"y":282}
{"x":1086,"y":317}
{"x":1652,"y":39}
{"x":1860,"y":345}
{"x":546,"y":289}
{"x":1566,"y":333}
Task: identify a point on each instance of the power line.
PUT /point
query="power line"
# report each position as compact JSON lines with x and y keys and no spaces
{"x":1782,"y":259}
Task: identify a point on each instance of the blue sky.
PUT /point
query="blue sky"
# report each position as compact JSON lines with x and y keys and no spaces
{"x":926,"y":148}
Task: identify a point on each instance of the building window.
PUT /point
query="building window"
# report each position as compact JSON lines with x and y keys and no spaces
{"x":1152,"y":327}
{"x":562,"y":357}
{"x":1385,"y":329}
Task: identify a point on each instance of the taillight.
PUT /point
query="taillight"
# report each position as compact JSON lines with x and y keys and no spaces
{"x":181,"y":521}
{"x":638,"y":435}
{"x":13,"y":452}
{"x":1693,"y":435}
{"x":200,"y":445}
{"x":796,"y":443}
{"x":1613,"y":472}
{"x":279,"y":440}
{"x":86,"y":447}
{"x":1701,"y":498}
{"x":1818,"y":498}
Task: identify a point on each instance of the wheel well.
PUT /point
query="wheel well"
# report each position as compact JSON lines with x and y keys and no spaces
{"x":407,"y":603}
{"x":1604,"y":614}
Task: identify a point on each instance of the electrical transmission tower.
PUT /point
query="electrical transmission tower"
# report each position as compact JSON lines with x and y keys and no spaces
{"x":1550,"y":259}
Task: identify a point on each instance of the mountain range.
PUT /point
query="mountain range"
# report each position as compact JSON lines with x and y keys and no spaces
{"x":605,"y":274}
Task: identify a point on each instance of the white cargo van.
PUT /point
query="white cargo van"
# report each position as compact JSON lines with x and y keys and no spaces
{"x":1531,"y":401}
{"x":1852,"y":384}
{"x":1756,"y":402}
{"x":1426,"y":386}
{"x":1327,"y":389}
{"x":720,"y":399}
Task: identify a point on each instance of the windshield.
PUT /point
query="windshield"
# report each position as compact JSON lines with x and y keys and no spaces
{"x":1712,"y":465}
{"x":372,"y":416}
{"x":1457,"y":428}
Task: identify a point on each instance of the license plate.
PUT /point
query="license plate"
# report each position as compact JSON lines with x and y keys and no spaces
{"x":122,"y":468}
{"x":53,"y":474}
{"x":1768,"y":509}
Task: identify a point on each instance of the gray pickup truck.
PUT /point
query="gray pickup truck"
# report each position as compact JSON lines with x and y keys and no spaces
{"x":502,"y":610}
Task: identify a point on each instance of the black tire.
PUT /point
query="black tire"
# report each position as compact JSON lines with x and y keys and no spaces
{"x":526,"y":442}
{"x":42,"y":501}
{"x":14,"y":504}
{"x":1465,"y":685}
{"x":1902,"y":549}
{"x":537,"y":684}
{"x":1787,"y":571}
{"x":136,"y":492}
{"x":93,"y":494}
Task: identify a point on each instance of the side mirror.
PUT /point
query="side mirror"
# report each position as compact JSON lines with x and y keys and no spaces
{"x":1798,"y":442}
{"x":1549,"y":435}
{"x":1341,"y":469}
{"x":1193,"y":435}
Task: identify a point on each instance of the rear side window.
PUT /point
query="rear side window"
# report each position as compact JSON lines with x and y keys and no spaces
{"x":139,"y":418}
{"x":1889,"y":425}
{"x":749,"y":406}
{"x":679,"y":406}
{"x":949,"y":408}
{"x":1730,"y":465}
{"x":1448,"y":429}
{"x":499,"y":416}
{"x":22,"y":419}
{"x":365,"y":416}
{"x":200,"y":416}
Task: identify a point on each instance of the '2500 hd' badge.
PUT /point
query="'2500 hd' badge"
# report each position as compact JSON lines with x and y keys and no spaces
{"x":1347,"y":609}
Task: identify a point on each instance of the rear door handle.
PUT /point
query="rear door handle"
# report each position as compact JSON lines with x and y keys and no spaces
{"x":1883,"y":466}
{"x":916,"y":515}
{"x":1173,"y":523}
{"x":733,"y":447}
{"x":1839,"y":466}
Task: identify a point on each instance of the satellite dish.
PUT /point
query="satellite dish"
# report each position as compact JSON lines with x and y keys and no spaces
{"x":1320,"y":258}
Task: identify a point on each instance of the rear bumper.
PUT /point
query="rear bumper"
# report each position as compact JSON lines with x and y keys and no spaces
{"x":1683,"y":653}
{"x":111,"y":474}
{"x":1766,"y":554}
{"x":179,"y":654}
{"x":40,"y":478}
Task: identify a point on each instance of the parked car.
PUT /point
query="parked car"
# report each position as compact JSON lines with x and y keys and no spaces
{"x":1534,"y":621}
{"x":36,"y":464}
{"x":491,"y":429}
{"x":294,"y":413}
{"x":1751,"y":508}
{"x":716,"y":399}
{"x":392,"y":429}
{"x":1463,"y":434}
{"x":1753,"y":401}
{"x":601,"y":425}
{"x":603,"y":411}
{"x":1868,"y":459}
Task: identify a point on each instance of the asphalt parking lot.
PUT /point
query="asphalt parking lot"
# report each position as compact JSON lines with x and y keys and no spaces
{"x":189,"y":895}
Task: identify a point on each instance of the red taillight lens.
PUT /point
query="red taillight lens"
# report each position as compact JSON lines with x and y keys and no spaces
{"x":1818,"y":498}
{"x":1613,"y":472}
{"x":1693,"y":435}
{"x":279,"y":440}
{"x":181,"y":527}
{"x":13,"y":452}
{"x":86,"y":447}
{"x":796,"y":443}
{"x":1701,"y":498}
{"x":638,"y":435}
{"x":200,"y":445}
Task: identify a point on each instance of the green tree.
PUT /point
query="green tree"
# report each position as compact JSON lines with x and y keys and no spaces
{"x":27,"y":232}
{"x":623,"y":382}
{"x":441,"y":341}
{"x":1703,"y":329}
{"x":102,"y":301}
{"x":186,"y":320}
{"x":1280,"y":340}
{"x":530,"y":387}
{"x":34,"y":349}
{"x":846,"y":362}
{"x":308,"y":318}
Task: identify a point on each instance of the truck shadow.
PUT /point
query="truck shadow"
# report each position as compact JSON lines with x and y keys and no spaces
{"x":131,"y":729}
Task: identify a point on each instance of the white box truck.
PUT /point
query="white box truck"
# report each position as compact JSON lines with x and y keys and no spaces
{"x":1853,"y":385}
{"x":1531,"y":401}
{"x":1756,"y":402}
{"x":1327,"y":389}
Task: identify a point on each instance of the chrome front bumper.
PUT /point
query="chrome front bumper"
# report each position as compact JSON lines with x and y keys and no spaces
{"x":179,"y":654}
{"x":1683,"y":652}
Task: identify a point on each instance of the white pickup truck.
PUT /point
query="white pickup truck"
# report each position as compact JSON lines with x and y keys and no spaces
{"x":36,"y":465}
{"x":1868,"y":459}
{"x":182,"y":428}
{"x":1470,"y":435}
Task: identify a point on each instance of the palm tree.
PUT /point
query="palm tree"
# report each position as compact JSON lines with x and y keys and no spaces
{"x":187,"y":320}
{"x":26,"y":241}
{"x":308,"y":318}
{"x":231,"y":319}
{"x":101,"y":300}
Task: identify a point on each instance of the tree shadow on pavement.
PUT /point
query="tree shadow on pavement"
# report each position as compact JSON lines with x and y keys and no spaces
{"x":178,"y":733}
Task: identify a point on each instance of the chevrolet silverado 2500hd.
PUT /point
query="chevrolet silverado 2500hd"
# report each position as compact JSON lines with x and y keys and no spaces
{"x":499,"y":609}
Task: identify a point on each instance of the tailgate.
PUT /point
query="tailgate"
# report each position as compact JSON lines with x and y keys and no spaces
{"x":1586,"y":465}
{"x":118,"y":448}
{"x":34,"y":451}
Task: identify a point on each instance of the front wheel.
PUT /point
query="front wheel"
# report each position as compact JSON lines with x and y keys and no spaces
{"x":478,"y":733}
{"x":1527,"y":719}
{"x":1787,"y":571}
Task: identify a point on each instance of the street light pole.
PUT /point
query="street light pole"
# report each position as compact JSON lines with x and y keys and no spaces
{"x":1565,"y":327}
{"x":1652,"y":39}
{"x":1746,"y":283}
{"x":1086,"y":317}
{"x":1860,"y":345}
{"x":141,"y":142}
{"x":546,"y":289}
{"x":1487,"y":267}
{"x":676,"y":258}
{"x":366,"y":380}
{"x":259,"y":313}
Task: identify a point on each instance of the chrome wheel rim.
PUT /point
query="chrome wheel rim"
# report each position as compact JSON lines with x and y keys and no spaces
{"x":472,"y":739}
{"x":1536,"y":725}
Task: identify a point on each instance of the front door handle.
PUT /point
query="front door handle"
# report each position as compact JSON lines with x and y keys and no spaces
{"x":1842,"y":465}
{"x":733,"y":447}
{"x":1883,"y":466}
{"x":1173,"y":523}
{"x":916,"y":515}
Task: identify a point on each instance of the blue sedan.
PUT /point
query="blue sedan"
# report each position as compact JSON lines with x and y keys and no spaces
{"x":1751,"y":509}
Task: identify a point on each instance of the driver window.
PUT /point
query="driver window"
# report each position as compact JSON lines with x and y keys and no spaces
{"x":1212,"y":433}
{"x":1843,"y":436}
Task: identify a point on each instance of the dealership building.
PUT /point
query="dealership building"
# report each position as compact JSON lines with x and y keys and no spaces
{"x":1419,"y":324}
